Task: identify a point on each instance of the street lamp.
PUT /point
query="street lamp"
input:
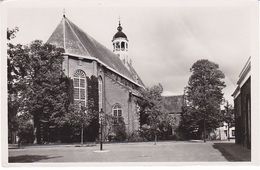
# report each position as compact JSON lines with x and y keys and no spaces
{"x":101,"y":115}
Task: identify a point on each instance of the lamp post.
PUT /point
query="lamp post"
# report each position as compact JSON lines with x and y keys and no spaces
{"x":101,"y":115}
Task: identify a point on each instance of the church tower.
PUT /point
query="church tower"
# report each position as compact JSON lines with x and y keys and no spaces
{"x":120,"y":46}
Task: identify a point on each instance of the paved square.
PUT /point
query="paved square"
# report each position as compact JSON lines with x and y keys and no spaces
{"x":122,"y":152}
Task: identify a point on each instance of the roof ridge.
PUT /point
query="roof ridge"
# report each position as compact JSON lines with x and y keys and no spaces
{"x":68,"y":21}
{"x":64,"y":33}
{"x":132,"y":69}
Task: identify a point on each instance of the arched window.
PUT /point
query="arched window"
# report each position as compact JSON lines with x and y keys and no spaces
{"x":123,"y":46}
{"x":117,"y":112}
{"x":79,"y":83}
{"x":117,"y":46}
{"x":100,"y":93}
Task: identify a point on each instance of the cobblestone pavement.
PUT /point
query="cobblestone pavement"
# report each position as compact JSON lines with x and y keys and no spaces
{"x":191,"y":151}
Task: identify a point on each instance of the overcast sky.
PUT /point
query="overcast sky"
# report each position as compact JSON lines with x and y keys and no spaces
{"x":164,"y":39}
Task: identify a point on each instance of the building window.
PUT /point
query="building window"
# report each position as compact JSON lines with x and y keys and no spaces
{"x":233,"y":132}
{"x":225,"y":131}
{"x":117,"y":113}
{"x":79,"y":83}
{"x":100,"y":93}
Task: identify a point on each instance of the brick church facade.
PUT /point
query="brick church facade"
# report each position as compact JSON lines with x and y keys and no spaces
{"x":118,"y":84}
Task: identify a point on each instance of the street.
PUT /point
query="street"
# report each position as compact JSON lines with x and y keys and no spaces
{"x":170,"y":151}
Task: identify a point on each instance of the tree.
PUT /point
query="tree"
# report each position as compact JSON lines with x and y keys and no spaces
{"x":189,"y":123}
{"x":154,"y":121}
{"x":11,"y":33}
{"x":46,"y":96}
{"x":229,"y":117}
{"x":115,"y":129}
{"x":80,"y":117}
{"x":22,"y":123}
{"x":204,"y":96}
{"x":14,"y":74}
{"x":25,"y":129}
{"x":37,"y":84}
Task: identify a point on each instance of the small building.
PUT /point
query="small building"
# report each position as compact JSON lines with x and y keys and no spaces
{"x":242,"y":106}
{"x":224,"y":133}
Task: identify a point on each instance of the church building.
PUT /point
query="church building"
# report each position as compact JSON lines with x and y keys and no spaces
{"x":117,"y":85}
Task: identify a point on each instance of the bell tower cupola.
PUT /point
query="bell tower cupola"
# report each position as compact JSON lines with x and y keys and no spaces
{"x":120,"y":45}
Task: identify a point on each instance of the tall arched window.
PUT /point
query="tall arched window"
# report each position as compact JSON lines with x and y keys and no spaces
{"x":79,"y":82}
{"x":100,"y":93}
{"x":117,"y":112}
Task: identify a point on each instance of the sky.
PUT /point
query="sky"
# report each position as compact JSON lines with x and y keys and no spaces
{"x":165,"y":39}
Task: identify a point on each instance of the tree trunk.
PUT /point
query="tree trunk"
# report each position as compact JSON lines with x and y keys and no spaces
{"x":35,"y":135}
{"x":228,"y":132}
{"x":82,"y":133}
{"x":204,"y":134}
{"x":155,"y":139}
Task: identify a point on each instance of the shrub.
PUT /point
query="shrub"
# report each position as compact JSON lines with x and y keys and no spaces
{"x":119,"y":130}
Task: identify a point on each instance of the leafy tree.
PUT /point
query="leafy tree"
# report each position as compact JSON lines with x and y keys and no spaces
{"x":189,"y":124}
{"x":25,"y":129}
{"x":11,"y":33}
{"x":204,"y":96}
{"x":46,"y":96}
{"x":108,"y":123}
{"x":80,"y":117}
{"x":229,"y":117}
{"x":114,"y":128}
{"x":14,"y":73}
{"x":154,"y":121}
{"x":37,"y":85}
{"x":120,"y":130}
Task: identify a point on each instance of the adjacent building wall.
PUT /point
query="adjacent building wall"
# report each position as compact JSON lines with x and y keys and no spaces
{"x":246,"y":113}
{"x":242,"y":106}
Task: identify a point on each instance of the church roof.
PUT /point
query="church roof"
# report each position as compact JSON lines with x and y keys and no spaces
{"x":77,"y":43}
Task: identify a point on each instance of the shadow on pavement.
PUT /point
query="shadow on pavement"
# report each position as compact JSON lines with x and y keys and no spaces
{"x":29,"y":158}
{"x":233,"y":152}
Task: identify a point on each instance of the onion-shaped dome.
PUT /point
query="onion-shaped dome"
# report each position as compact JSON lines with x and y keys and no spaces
{"x":119,"y":33}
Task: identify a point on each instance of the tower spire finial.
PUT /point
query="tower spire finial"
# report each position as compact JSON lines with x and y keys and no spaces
{"x":64,"y":12}
{"x":119,"y":28}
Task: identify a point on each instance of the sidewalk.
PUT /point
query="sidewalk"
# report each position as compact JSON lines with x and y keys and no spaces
{"x":57,"y":145}
{"x":233,"y":152}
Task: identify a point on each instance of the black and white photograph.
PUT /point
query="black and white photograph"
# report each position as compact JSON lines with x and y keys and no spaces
{"x":129,"y":82}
